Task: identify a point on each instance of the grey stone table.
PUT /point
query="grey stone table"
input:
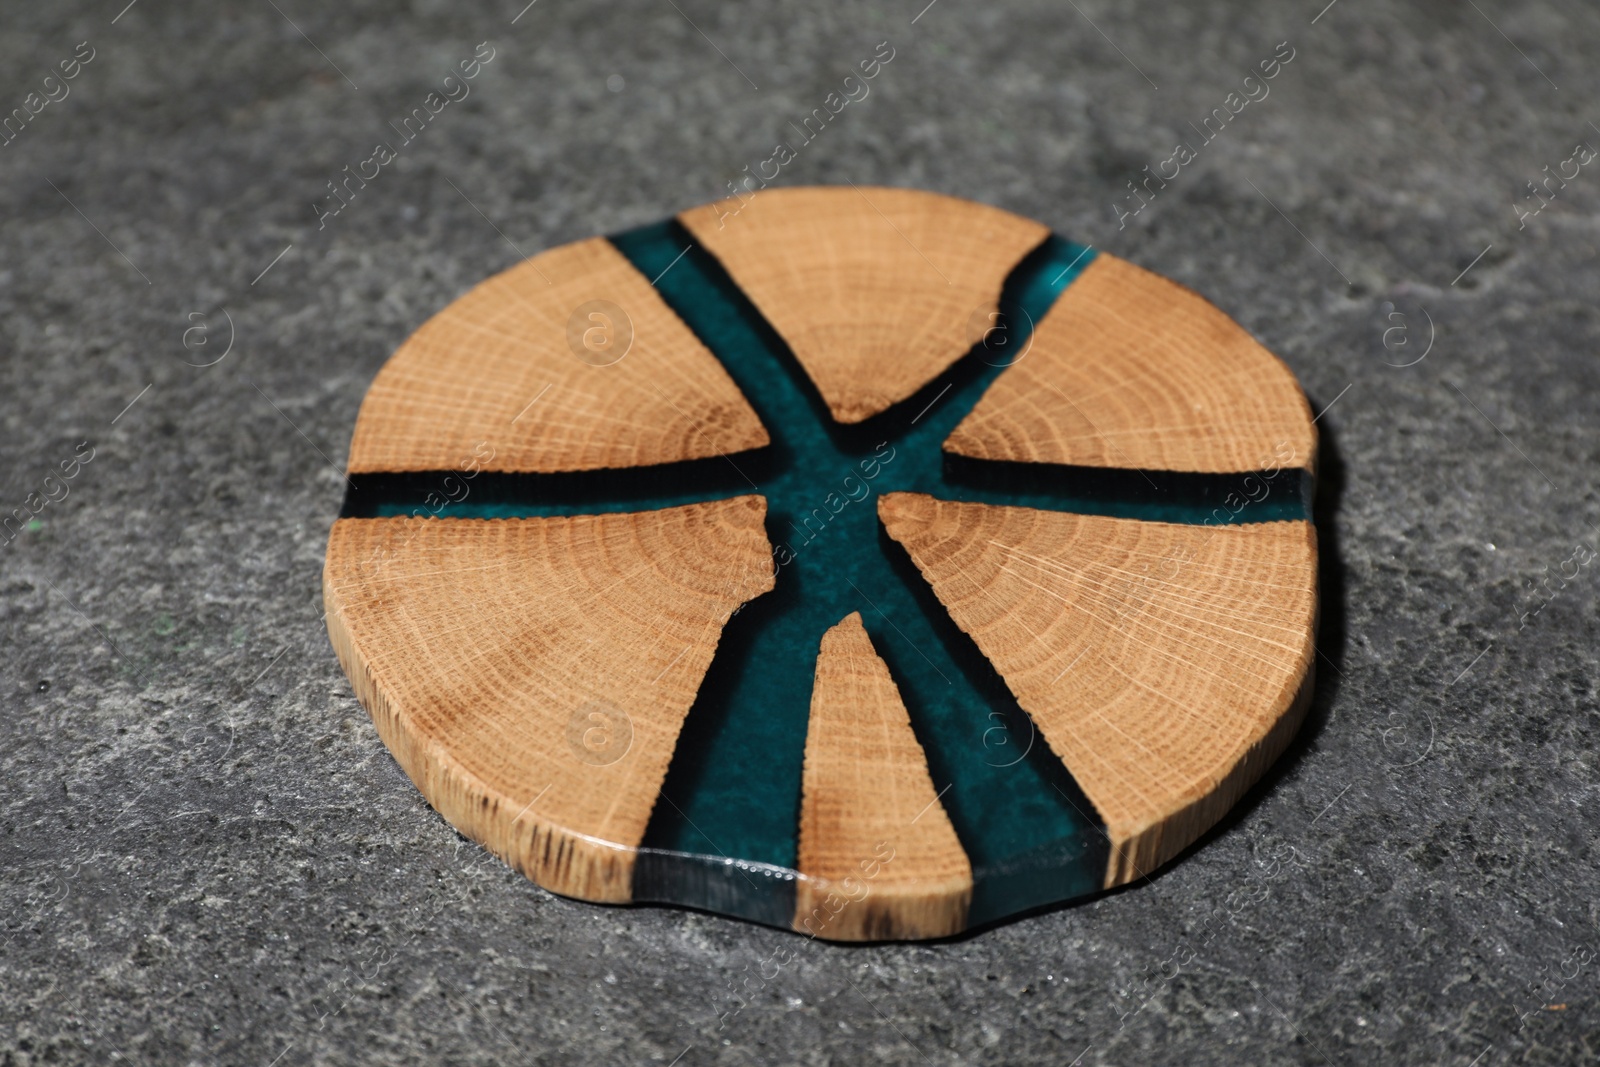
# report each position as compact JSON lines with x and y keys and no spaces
{"x":208,"y":856}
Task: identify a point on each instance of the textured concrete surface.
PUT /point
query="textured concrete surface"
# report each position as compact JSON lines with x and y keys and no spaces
{"x":208,"y":856}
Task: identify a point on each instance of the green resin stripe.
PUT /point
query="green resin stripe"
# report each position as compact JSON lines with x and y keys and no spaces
{"x":733,"y":789}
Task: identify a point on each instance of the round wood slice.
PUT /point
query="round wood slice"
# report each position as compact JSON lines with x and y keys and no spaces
{"x":611,"y":585}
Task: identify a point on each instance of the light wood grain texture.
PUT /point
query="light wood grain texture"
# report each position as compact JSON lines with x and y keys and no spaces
{"x":874,"y":289}
{"x":1166,"y":665}
{"x":531,"y":675}
{"x":1131,"y":370}
{"x":494,"y":375}
{"x":880,"y":857}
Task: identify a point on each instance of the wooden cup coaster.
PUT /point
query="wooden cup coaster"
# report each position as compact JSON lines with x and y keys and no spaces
{"x":866,"y":562}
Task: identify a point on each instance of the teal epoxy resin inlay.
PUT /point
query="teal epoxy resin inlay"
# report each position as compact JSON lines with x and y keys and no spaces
{"x":723,"y":834}
{"x":734,"y":786}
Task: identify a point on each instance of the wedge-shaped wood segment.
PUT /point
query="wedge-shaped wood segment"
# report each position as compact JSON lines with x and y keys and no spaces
{"x":1167,"y":665}
{"x":876,"y":290}
{"x":877,"y":850}
{"x":567,"y":361}
{"x":531,"y":675}
{"x":1131,"y":370}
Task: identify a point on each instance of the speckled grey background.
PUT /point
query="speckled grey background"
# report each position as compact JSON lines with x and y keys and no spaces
{"x":207,"y":856}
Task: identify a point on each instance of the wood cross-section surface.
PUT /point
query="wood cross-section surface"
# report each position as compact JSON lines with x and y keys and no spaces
{"x":1166,"y":665}
{"x":876,"y":290}
{"x":1131,"y":370}
{"x":532,"y":675}
{"x":877,"y":850}
{"x":568,"y":361}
